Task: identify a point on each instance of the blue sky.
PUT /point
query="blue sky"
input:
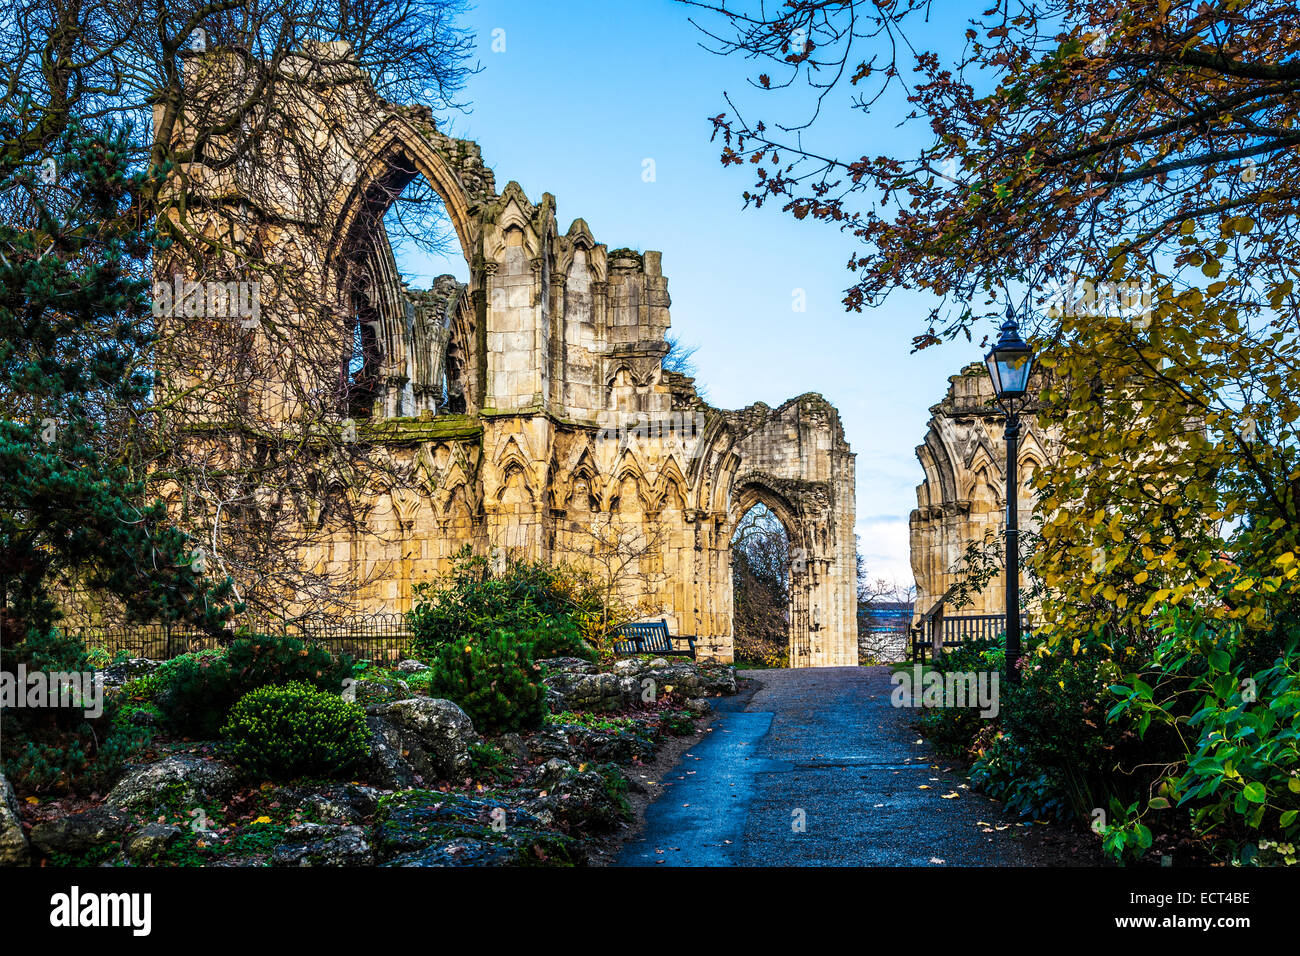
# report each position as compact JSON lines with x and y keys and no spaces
{"x":583,"y":93}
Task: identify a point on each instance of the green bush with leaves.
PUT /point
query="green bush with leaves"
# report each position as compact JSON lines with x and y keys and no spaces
{"x":258,"y":659}
{"x":558,"y":637}
{"x":954,"y":730}
{"x":195,"y":692}
{"x":67,"y":752}
{"x":1236,"y":781}
{"x":492,"y":678}
{"x":558,"y":606}
{"x":74,"y":347}
{"x":1053,"y":752}
{"x":472,"y":599}
{"x":284,"y":731}
{"x":1006,"y":771}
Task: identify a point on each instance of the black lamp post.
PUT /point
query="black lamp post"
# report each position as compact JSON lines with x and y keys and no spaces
{"x":1009,"y":364}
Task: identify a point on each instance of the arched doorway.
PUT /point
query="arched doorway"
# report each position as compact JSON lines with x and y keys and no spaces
{"x":760,"y":582}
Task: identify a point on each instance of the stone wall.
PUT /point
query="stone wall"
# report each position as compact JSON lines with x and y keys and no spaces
{"x":963,"y":499}
{"x":526,"y":411}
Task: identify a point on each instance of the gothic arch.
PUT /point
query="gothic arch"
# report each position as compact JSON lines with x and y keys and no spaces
{"x":753,"y":491}
{"x":392,"y":157}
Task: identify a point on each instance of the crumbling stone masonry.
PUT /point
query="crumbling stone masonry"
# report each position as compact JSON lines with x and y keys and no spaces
{"x":963,"y":499}
{"x":529,"y":406}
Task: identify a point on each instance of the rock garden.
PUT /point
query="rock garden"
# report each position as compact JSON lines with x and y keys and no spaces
{"x":506,"y":738}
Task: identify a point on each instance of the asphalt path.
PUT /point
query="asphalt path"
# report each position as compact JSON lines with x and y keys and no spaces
{"x":815,"y":767}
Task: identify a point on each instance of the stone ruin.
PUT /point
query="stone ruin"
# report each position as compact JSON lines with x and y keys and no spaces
{"x":963,"y":499}
{"x":526,"y":406}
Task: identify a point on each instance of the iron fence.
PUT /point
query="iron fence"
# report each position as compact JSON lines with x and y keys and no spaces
{"x":379,"y":637}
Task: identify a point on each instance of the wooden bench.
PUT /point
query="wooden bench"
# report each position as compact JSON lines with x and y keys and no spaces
{"x":651,"y":637}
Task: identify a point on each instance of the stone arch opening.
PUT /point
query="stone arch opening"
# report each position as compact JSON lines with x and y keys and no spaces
{"x":406,"y":351}
{"x":747,"y":498}
{"x":761,"y":587}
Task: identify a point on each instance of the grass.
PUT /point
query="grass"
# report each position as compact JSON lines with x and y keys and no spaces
{"x":592,"y":721}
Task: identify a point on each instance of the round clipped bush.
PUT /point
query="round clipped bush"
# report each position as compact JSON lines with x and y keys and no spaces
{"x":492,"y":678}
{"x":195,"y":692}
{"x":282,"y":731}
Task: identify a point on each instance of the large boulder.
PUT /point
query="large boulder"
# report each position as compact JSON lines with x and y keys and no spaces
{"x":462,"y":851}
{"x":600,"y":693}
{"x":342,"y":803}
{"x":552,"y":773}
{"x":681,"y":678}
{"x":419,"y":739}
{"x":13,"y":842}
{"x":180,"y":781}
{"x":387,"y":765}
{"x":421,"y":828}
{"x":79,"y":833}
{"x":381,"y":691}
{"x":149,"y":842}
{"x":578,"y":744}
{"x":581,"y":799}
{"x":315,"y":844}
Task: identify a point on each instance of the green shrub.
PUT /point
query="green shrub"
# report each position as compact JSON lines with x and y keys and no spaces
{"x":558,"y":637}
{"x":492,"y":678}
{"x":195,"y":692}
{"x":954,"y":730}
{"x":677,"y":723}
{"x":592,"y":721}
{"x":1235,"y":782}
{"x":69,"y":753}
{"x":60,"y":749}
{"x":471,"y":599}
{"x":259,"y":659}
{"x":1006,"y":772}
{"x":561,"y":606}
{"x":1052,"y":753}
{"x":279,"y":732}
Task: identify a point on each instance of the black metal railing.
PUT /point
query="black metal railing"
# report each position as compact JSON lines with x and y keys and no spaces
{"x":376,"y":637}
{"x":937,"y":631}
{"x":957,"y":629}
